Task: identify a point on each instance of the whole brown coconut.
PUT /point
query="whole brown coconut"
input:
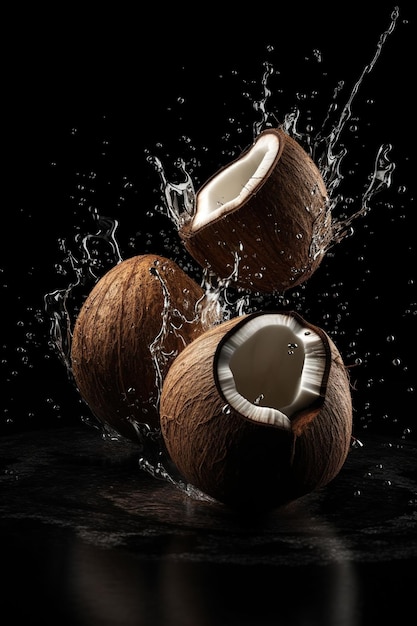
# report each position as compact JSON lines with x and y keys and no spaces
{"x":135,"y":321}
{"x":268,"y":210}
{"x":257,"y":411}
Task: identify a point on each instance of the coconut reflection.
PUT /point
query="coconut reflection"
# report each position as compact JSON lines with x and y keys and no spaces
{"x":212,"y":567}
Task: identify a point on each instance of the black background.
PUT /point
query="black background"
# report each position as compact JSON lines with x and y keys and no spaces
{"x":90,"y":96}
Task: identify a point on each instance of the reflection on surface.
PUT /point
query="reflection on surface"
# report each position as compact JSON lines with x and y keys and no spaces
{"x":90,"y":539}
{"x":108,"y":586}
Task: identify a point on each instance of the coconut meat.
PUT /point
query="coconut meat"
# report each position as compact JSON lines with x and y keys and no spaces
{"x":270,"y":368}
{"x":236,"y":182}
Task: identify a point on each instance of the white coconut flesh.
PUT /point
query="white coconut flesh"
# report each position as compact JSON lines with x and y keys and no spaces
{"x":234,"y":184}
{"x":270,"y":368}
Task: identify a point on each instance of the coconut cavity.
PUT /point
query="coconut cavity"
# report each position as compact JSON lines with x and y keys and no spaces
{"x":271,"y":367}
{"x":236,"y":182}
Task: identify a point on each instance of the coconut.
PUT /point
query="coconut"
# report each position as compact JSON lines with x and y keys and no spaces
{"x":132,"y":325}
{"x":268,"y":211}
{"x":257,"y":411}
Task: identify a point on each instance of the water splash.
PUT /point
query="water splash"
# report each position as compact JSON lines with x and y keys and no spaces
{"x":84,"y":269}
{"x":329,"y":162}
{"x":172,"y":321}
{"x":219,"y":296}
{"x":380,"y":180}
{"x":179,"y":197}
{"x":260,"y":105}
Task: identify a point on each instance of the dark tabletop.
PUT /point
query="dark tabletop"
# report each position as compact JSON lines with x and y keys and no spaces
{"x":91,"y":538}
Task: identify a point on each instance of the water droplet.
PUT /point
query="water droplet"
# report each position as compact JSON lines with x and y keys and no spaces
{"x":317,"y":54}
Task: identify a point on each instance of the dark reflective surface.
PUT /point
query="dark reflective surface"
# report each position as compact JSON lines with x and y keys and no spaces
{"x":88,"y":538}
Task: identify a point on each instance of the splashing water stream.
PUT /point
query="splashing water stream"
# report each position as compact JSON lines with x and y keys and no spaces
{"x":179,"y":206}
{"x":84,"y":269}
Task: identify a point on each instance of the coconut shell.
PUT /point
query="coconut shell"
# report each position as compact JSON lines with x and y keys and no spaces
{"x":279,"y":233}
{"x":242,"y":463}
{"x":114,"y":368}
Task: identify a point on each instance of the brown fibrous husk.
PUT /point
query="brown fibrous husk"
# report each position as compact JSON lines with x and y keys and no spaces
{"x":279,"y":235}
{"x":247,"y":464}
{"x":114,"y":368}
